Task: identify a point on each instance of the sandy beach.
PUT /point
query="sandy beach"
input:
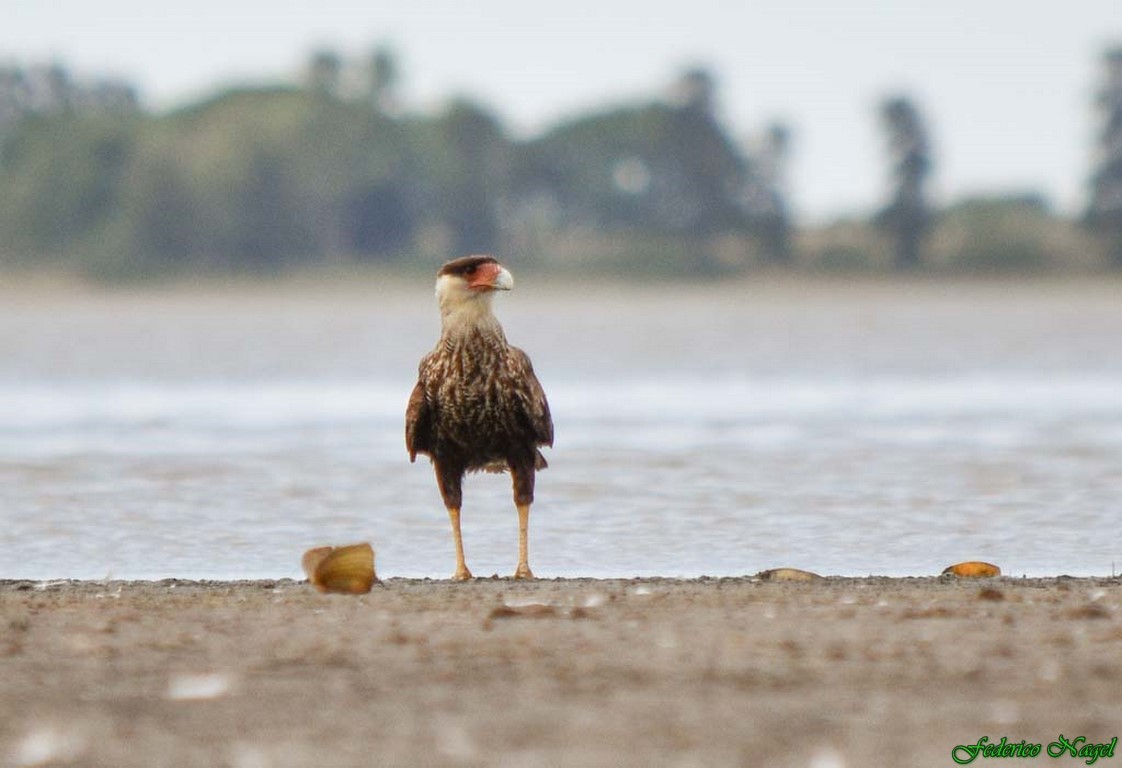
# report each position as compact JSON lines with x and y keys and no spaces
{"x":838,"y":672}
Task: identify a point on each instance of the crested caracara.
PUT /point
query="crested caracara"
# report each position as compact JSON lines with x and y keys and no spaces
{"x":477,"y":404}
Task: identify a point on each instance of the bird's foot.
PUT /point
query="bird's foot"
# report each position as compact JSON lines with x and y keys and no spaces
{"x":523,"y":572}
{"x":462,"y":574}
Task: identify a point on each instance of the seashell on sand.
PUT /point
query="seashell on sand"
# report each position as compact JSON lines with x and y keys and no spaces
{"x":312,"y":558}
{"x":787,"y":574}
{"x":348,"y":569}
{"x":972,"y":569}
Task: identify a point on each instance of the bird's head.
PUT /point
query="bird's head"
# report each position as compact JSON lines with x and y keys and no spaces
{"x":468,"y":284}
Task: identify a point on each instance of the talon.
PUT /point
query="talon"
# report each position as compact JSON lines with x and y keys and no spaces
{"x":462,"y":573}
{"x":523,"y":572}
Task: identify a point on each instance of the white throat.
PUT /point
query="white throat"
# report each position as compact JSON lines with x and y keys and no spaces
{"x":462,"y":309}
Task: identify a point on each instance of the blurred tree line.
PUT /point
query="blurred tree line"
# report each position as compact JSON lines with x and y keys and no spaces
{"x":1105,"y":211}
{"x":335,"y":171}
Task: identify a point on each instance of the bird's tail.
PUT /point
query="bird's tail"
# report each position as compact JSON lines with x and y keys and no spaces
{"x":500,"y":466}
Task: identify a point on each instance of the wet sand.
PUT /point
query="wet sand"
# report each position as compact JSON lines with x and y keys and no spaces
{"x":838,"y":672}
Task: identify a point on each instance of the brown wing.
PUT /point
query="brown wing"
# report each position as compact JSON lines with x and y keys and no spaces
{"x":418,"y":421}
{"x":534,"y":405}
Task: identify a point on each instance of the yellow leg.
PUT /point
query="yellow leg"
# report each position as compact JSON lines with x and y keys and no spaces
{"x":523,"y":571}
{"x":462,"y":572}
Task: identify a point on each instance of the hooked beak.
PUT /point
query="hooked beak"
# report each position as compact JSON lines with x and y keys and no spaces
{"x":492,"y":277}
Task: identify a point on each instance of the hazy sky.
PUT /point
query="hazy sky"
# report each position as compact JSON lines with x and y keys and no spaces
{"x":1007,"y":85}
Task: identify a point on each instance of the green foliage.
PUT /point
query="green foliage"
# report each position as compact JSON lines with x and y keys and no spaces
{"x":1104,"y":212}
{"x":249,"y":181}
{"x":1004,"y":234}
{"x":1012,"y":234}
{"x":907,"y":215}
{"x":60,"y":182}
{"x":463,"y":159}
{"x":845,"y":247}
{"x":646,"y":254}
{"x":265,"y":180}
{"x":654,"y":167}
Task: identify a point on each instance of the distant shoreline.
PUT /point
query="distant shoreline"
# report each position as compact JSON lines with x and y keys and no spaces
{"x":84,"y":585}
{"x":17,"y":284}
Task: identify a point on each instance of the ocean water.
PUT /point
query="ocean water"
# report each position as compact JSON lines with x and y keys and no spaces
{"x":849,"y":429}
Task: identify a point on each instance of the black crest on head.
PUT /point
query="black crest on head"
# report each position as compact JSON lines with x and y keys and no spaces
{"x":465,"y":265}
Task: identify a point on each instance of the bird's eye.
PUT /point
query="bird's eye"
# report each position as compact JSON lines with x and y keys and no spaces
{"x":470,"y":270}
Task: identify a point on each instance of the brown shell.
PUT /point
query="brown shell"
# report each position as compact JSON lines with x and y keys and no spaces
{"x":787,"y":574}
{"x":312,"y":558}
{"x":972,"y":569}
{"x":348,"y":569}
